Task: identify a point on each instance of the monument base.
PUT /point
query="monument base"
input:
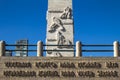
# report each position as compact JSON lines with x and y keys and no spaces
{"x":60,"y":68}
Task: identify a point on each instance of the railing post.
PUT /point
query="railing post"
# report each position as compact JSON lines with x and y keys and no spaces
{"x":116,"y":48}
{"x":39,"y":48}
{"x":2,"y":48}
{"x":78,"y":49}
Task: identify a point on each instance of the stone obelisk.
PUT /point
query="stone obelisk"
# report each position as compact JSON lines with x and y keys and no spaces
{"x":60,"y":28}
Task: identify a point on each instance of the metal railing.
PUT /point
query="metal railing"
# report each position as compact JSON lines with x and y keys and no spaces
{"x":77,"y":48}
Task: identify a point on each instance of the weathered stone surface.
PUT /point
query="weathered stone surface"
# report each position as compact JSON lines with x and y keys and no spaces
{"x":43,"y":68}
{"x":59,"y":28}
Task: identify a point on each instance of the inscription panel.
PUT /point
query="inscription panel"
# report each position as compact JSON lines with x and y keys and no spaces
{"x":60,"y":68}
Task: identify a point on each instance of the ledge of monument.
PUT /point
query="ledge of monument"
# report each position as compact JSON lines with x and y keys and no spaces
{"x":62,"y":58}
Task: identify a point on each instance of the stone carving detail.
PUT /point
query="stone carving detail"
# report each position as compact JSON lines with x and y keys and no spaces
{"x":71,"y":23}
{"x":67,"y":14}
{"x":57,"y":23}
{"x":60,"y":29}
{"x":57,"y":53}
{"x":60,"y":38}
{"x":62,"y":41}
{"x":51,"y":40}
{"x":55,"y":11}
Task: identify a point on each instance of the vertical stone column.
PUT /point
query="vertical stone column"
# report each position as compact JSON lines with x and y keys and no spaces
{"x":59,"y":28}
{"x":2,"y":48}
{"x":39,"y":48}
{"x":78,"y":49}
{"x":116,"y":49}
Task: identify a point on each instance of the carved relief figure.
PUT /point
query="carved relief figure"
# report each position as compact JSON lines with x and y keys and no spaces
{"x":62,"y":41}
{"x":67,"y":14}
{"x":57,"y":23}
{"x":60,"y":38}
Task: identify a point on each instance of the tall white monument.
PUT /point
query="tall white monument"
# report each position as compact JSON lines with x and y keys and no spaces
{"x":60,"y":28}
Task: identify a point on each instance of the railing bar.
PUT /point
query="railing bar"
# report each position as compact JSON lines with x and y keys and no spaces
{"x":98,"y":45}
{"x":97,"y":50}
{"x":23,"y":50}
{"x":66,"y":50}
{"x":59,"y":50}
{"x":20,"y":45}
{"x":58,"y":45}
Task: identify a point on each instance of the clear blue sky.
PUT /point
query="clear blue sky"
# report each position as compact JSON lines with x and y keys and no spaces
{"x":95,"y":21}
